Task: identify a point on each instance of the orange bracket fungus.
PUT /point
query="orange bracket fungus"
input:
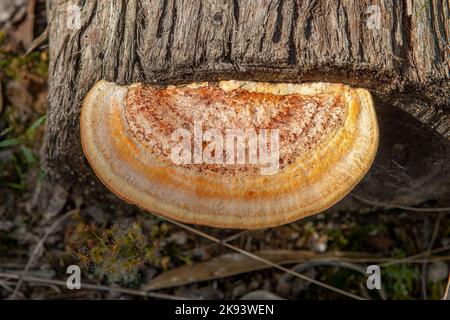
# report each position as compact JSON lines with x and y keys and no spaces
{"x":231,"y":154}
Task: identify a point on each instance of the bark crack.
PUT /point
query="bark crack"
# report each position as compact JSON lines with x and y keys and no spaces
{"x":292,"y":59}
{"x":171,"y":33}
{"x":278,"y":23}
{"x":159,"y":30}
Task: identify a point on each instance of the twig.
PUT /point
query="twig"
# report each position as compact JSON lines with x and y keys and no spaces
{"x":199,"y":272}
{"x":339,"y":264}
{"x":1,"y":98}
{"x":270,"y":263}
{"x":407,"y":259}
{"x":38,"y":247}
{"x":5,"y":285}
{"x":90,"y":286}
{"x":236,"y":235}
{"x":227,"y":239}
{"x":428,"y":253}
{"x":447,"y":289}
{"x":37,"y":42}
{"x":398,"y":206}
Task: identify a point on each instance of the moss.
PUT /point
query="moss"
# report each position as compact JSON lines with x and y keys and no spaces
{"x":119,"y":253}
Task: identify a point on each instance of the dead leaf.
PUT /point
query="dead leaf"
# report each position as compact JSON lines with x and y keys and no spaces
{"x":235,"y":263}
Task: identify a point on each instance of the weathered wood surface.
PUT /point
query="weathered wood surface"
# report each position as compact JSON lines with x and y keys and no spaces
{"x":405,"y":64}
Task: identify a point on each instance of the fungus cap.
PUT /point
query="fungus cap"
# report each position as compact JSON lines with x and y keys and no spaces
{"x":326,"y":139}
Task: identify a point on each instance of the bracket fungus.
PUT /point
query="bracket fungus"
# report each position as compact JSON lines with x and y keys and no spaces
{"x":175,"y":150}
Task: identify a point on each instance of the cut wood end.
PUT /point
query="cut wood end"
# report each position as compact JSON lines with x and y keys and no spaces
{"x":232,"y":154}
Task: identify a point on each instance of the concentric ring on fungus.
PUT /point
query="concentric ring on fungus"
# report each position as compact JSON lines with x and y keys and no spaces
{"x":327,"y":140}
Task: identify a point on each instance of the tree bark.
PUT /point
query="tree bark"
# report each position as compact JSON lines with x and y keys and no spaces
{"x":404,"y":63}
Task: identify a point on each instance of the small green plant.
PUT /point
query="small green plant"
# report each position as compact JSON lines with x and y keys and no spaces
{"x":121,"y":251}
{"x":25,"y":139}
{"x":23,"y":157}
{"x":16,"y":66}
{"x":19,"y":133}
{"x":337,"y":237}
{"x":401,"y":280}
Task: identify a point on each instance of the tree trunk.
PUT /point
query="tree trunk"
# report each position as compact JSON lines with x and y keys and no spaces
{"x":402,"y":58}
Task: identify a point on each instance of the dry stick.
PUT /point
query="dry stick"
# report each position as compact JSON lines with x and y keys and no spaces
{"x":5,"y":285}
{"x":1,"y":98}
{"x":228,"y":239}
{"x":236,"y":235}
{"x":268,"y":262}
{"x":406,"y":259}
{"x":90,"y":286}
{"x":329,"y":259}
{"x":447,"y":289}
{"x":386,"y":261}
{"x":428,"y":253}
{"x":38,"y":246}
{"x":43,"y":36}
{"x":398,"y":206}
{"x":339,"y":264}
{"x":37,"y":42}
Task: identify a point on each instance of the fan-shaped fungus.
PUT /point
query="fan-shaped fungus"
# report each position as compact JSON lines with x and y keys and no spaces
{"x":294,"y":150}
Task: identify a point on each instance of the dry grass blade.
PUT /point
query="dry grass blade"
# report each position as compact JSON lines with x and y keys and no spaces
{"x":338,"y":264}
{"x":89,"y":286}
{"x":263,"y":260}
{"x":447,"y":289}
{"x":398,"y":206}
{"x":38,"y":41}
{"x":231,"y":264}
{"x":429,"y":248}
{"x":1,"y":98}
{"x":413,"y":257}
